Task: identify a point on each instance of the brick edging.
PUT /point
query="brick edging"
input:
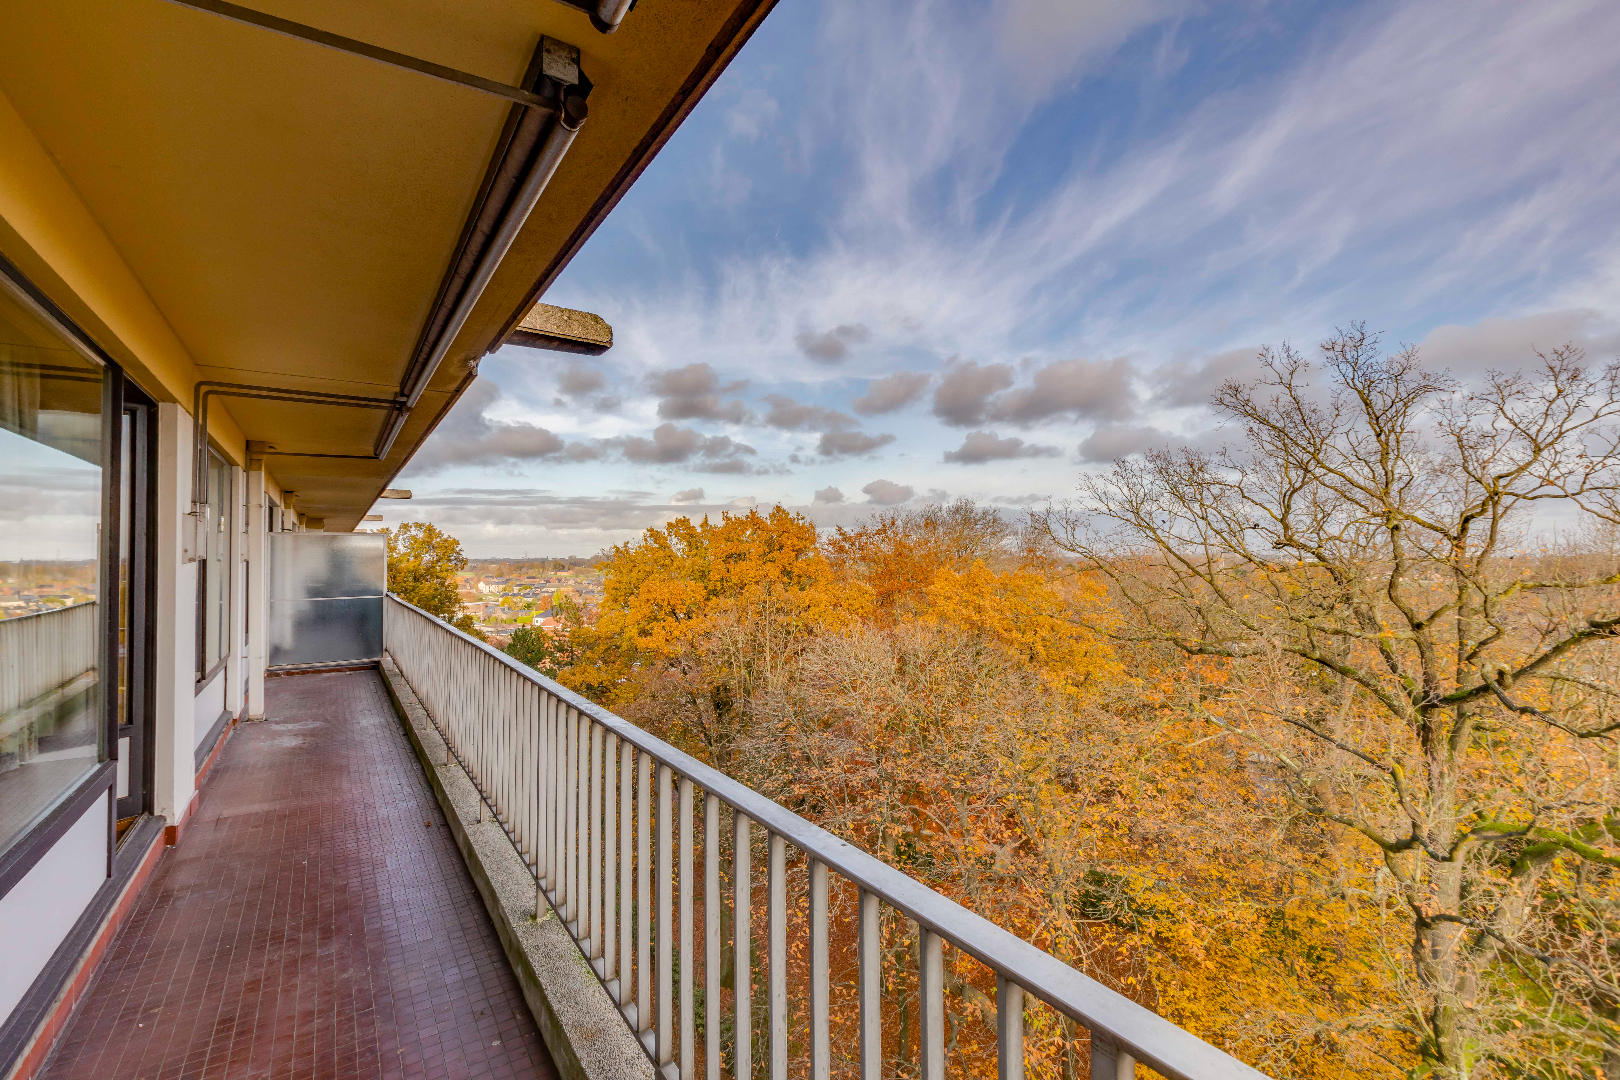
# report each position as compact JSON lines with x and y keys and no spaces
{"x":73,"y":991}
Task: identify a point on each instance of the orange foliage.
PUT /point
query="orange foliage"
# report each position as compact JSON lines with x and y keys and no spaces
{"x":931,"y":688}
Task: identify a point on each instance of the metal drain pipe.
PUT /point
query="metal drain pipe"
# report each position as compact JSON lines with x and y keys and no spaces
{"x":205,"y":389}
{"x":570,"y":116}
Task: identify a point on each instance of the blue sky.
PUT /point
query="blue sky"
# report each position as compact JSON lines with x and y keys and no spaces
{"x":908,"y":251}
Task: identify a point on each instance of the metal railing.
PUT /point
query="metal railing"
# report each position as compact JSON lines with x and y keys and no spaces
{"x":604,"y":815}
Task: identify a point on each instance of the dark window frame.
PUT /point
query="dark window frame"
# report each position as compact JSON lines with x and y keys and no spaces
{"x":142,"y":646}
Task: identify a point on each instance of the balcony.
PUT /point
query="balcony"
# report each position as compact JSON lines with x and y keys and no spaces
{"x":316,"y":922}
{"x":450,"y":866}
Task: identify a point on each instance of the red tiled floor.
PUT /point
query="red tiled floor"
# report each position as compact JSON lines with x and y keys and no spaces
{"x":316,"y":921}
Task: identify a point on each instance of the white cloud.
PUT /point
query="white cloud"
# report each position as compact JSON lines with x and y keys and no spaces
{"x":979,"y":447}
{"x":891,"y":392}
{"x":694,"y":392}
{"x":1409,"y":164}
{"x":790,"y":415}
{"x":887,"y":492}
{"x":1510,"y":343}
{"x":1397,"y":139}
{"x":1080,"y":389}
{"x":1113,"y":441}
{"x":754,"y":113}
{"x":467,"y":436}
{"x":831,"y":346}
{"x":844,"y":443}
{"x":1045,"y":41}
{"x":1193,"y":383}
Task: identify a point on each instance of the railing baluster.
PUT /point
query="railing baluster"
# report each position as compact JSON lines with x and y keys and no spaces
{"x":514,"y":769}
{"x":1009,"y":1030}
{"x":492,"y":747}
{"x":595,"y":853}
{"x":610,"y":861}
{"x":1108,"y":1061}
{"x":515,"y":815}
{"x":742,"y":940}
{"x":506,"y":745}
{"x":545,"y":786}
{"x":527,"y":718}
{"x":627,"y":775}
{"x":711,"y":937}
{"x":543,"y":872}
{"x":546,"y":765}
{"x":559,"y":812}
{"x":502,"y":749}
{"x":644,"y":1016}
{"x":523,"y":769}
{"x":776,"y":969}
{"x":447,"y":720}
{"x":931,"y":1003}
{"x":871,"y":991}
{"x":570,"y":819}
{"x":688,"y":957}
{"x":820,"y":1011}
{"x":489,"y":741}
{"x":666,"y":929}
{"x":581,"y":910}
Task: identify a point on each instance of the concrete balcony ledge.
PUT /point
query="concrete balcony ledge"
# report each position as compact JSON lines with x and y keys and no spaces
{"x":583,"y":1030}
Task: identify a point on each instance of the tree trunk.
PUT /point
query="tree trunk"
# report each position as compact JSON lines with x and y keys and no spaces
{"x":1440,"y":944}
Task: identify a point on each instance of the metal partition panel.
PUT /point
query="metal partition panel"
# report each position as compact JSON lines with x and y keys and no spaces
{"x":325,"y":597}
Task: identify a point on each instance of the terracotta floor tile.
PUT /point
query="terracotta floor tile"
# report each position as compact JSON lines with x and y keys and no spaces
{"x":308,"y":925}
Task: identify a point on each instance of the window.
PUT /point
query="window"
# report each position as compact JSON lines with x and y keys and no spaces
{"x":52,"y":634}
{"x":213,"y":569}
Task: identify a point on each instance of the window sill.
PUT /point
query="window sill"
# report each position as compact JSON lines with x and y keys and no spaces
{"x":31,"y":846}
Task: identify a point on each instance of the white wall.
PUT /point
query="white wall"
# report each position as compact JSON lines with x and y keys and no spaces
{"x":38,"y":912}
{"x":210,"y":701}
{"x":234,"y":620}
{"x":255,"y":594}
{"x":176,"y":619}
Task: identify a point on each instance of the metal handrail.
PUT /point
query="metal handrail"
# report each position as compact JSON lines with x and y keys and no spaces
{"x":1122,"y":1030}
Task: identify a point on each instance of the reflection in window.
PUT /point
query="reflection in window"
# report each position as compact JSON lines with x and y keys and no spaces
{"x":50,"y":523}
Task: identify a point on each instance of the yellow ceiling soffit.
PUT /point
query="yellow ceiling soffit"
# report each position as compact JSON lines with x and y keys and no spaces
{"x":46,"y":230}
{"x":215,"y":201}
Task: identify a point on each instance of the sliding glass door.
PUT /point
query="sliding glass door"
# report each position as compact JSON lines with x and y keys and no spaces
{"x":76,"y":576}
{"x":53,"y":500}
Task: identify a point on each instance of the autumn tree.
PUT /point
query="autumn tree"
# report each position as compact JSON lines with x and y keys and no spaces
{"x":1400,"y":655}
{"x":932,"y":684}
{"x":422,"y":566}
{"x":898,"y":554}
{"x":698,"y":618}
